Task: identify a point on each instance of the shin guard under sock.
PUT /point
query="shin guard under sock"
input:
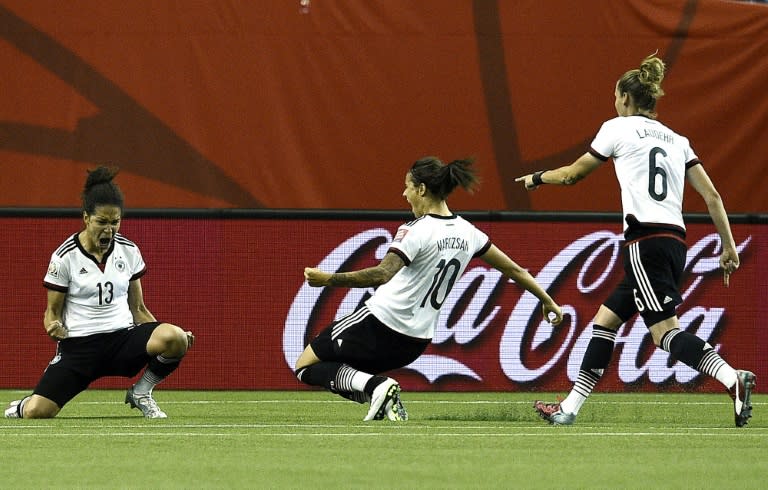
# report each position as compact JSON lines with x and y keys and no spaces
{"x":685,"y":347}
{"x":320,"y":374}
{"x":698,"y":354}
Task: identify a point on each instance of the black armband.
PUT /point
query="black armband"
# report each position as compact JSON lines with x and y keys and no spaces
{"x":536,"y":177}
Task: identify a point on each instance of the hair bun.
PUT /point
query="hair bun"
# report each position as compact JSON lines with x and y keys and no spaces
{"x":100,"y":175}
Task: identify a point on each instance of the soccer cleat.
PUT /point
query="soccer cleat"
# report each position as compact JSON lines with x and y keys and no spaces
{"x":741,"y":392}
{"x":145,"y":403}
{"x":545,"y":410}
{"x":382,"y":399}
{"x":562,"y":418}
{"x":395,"y":410}
{"x":12,"y":412}
{"x":551,"y":413}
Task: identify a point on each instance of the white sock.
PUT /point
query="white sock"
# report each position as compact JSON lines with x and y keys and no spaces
{"x":714,"y":365}
{"x":726,"y":375}
{"x":359,"y":380}
{"x":572,"y":403}
{"x":146,"y":384}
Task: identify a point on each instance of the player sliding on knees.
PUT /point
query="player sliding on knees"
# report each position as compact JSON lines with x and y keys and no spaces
{"x":97,"y":315}
{"x":652,"y":163}
{"x":395,"y":325}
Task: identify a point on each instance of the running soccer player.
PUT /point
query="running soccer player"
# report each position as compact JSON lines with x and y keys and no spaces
{"x":96,"y":312}
{"x":395,"y":325}
{"x":652,"y":163}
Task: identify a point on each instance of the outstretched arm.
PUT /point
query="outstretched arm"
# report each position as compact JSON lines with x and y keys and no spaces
{"x":499,"y":260}
{"x":363,"y":278}
{"x":729,"y":259}
{"x":565,"y":175}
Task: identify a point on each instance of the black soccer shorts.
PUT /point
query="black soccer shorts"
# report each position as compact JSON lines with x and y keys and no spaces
{"x":653,"y":268}
{"x":363,"y":342}
{"x":81,"y":360}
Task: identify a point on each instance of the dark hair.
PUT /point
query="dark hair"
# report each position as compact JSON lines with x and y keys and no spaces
{"x":644,"y":84}
{"x":441,"y":179}
{"x":99,"y":189}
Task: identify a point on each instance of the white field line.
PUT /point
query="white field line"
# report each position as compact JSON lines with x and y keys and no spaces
{"x":403,"y":428}
{"x":332,"y":399}
{"x":393,"y":426}
{"x":497,"y":435}
{"x":725,"y":401}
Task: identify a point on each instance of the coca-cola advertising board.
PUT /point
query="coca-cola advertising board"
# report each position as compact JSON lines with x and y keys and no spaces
{"x":238,"y":284}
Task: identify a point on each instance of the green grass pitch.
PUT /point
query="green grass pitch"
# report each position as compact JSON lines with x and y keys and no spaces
{"x":269,"y":439}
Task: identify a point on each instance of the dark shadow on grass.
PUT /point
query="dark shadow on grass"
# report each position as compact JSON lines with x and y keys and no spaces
{"x":498,"y":415}
{"x":97,"y":417}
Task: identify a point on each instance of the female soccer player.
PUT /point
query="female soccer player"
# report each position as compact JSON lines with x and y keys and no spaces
{"x":96,"y":312}
{"x":396,"y":324}
{"x":652,"y":163}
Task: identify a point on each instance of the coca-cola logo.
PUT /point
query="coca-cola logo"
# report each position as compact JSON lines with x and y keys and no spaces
{"x":583,"y":267}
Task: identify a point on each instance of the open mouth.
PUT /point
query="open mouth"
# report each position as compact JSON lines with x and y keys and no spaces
{"x":104,"y":242}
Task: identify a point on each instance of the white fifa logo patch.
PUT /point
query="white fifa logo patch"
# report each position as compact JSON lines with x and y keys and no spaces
{"x":53,"y":269}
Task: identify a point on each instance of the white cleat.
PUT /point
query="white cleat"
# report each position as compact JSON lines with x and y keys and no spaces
{"x":741,"y":393}
{"x":145,"y":403}
{"x":382,"y":400}
{"x":12,"y":412}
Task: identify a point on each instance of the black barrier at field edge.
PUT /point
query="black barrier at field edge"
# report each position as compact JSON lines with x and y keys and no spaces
{"x":357,"y":214}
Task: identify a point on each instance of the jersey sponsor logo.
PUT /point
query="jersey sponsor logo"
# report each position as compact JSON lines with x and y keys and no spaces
{"x":53,"y":269}
{"x":83,"y":271}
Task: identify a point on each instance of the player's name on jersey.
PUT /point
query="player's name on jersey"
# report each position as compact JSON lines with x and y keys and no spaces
{"x":655,"y":133}
{"x":452,"y":242}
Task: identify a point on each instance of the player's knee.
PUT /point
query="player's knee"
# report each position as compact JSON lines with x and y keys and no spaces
{"x":179,"y":341}
{"x":35,"y":410}
{"x":660,"y":323}
{"x":170,"y":340}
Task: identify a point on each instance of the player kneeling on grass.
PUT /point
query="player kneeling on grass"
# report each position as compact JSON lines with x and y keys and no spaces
{"x":96,"y":312}
{"x":395,"y":325}
{"x":652,"y":164}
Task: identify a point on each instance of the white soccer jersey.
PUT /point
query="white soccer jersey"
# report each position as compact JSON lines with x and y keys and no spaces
{"x":650,"y":162}
{"x":436,"y":250}
{"x":96,"y":294}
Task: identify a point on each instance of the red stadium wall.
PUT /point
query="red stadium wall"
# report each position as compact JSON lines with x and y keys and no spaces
{"x":238,"y":284}
{"x":258,"y":104}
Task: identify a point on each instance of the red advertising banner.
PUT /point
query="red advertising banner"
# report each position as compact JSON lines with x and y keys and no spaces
{"x":238,"y":284}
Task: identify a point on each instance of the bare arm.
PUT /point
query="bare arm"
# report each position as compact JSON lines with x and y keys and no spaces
{"x":52,"y":321}
{"x":363,"y":278}
{"x":565,"y":175}
{"x":729,"y":259}
{"x":499,"y":260}
{"x":136,"y":303}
